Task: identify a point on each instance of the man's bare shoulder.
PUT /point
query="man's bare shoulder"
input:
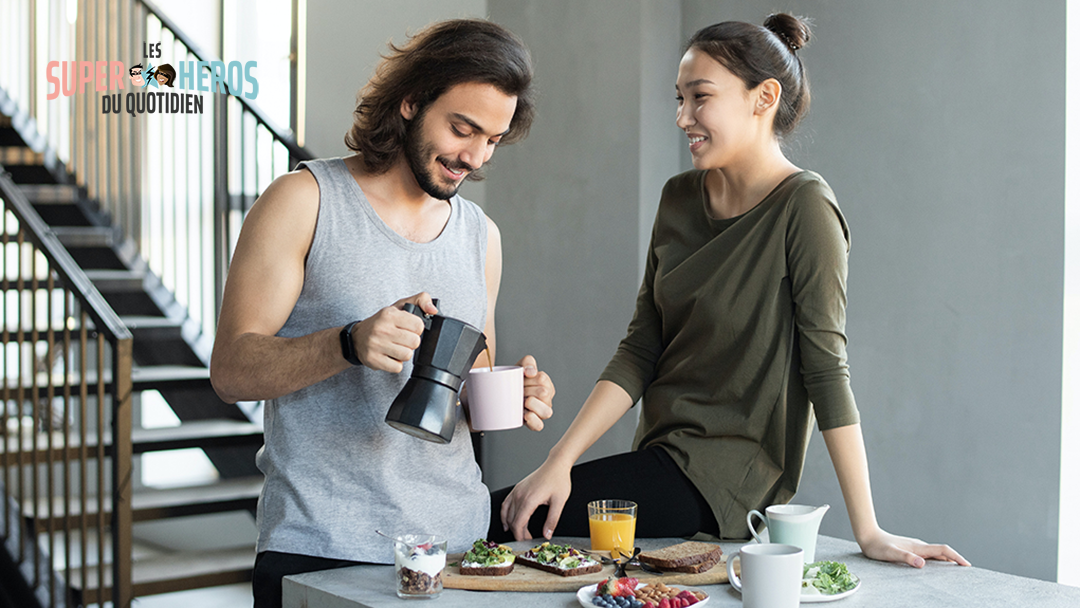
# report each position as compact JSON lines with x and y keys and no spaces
{"x":282,"y":221}
{"x":296,"y":191}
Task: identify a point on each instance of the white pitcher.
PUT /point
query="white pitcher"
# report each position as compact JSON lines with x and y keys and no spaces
{"x":791,"y":525}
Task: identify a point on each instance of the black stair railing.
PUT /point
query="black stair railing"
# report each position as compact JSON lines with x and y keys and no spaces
{"x":65,"y":424}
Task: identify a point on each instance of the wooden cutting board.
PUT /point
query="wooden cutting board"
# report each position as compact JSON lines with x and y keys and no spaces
{"x":524,"y":578}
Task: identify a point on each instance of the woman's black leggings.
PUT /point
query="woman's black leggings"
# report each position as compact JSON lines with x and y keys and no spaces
{"x":668,"y":503}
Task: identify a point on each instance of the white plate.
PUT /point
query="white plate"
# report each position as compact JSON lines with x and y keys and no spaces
{"x":813,"y":598}
{"x":586,"y":593}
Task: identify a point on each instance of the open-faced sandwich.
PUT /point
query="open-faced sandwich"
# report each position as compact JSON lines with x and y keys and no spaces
{"x":563,"y":560}
{"x":487,"y":558}
{"x":692,"y":557}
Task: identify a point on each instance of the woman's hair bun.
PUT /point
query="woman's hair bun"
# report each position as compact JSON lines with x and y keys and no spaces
{"x":792,"y":31}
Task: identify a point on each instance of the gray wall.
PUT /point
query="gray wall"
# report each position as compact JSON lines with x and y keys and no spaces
{"x":576,"y":200}
{"x":345,"y":39}
{"x":941,"y":129}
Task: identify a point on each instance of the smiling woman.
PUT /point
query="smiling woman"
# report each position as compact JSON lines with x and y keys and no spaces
{"x":738,"y":341}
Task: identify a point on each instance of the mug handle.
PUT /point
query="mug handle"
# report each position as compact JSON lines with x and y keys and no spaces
{"x":750,"y":524}
{"x":732,"y":577}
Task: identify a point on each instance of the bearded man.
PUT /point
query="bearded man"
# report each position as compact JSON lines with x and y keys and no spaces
{"x":312,"y":322}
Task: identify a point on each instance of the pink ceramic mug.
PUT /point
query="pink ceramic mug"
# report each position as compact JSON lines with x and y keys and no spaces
{"x":496,"y":397}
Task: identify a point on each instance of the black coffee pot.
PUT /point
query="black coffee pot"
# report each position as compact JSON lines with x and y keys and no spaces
{"x":426,"y":406}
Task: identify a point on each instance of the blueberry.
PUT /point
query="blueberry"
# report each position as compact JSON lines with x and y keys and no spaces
{"x":597,"y":600}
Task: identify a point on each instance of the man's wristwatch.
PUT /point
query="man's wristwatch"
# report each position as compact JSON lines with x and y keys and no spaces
{"x":348,"y":349}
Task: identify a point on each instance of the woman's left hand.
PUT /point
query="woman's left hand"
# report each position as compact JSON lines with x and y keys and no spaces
{"x":539,"y":392}
{"x":903,"y":550}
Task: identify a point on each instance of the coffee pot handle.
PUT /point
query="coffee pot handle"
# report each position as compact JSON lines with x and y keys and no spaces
{"x":750,"y":524}
{"x":409,"y":307}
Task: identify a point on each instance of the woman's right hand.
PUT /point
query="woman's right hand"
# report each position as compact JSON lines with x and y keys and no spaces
{"x":548,"y":485}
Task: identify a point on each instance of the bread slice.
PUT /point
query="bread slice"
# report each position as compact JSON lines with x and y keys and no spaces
{"x":587,"y":569}
{"x":684,"y":557}
{"x":704,"y":566}
{"x":487,"y":558}
{"x":502,"y":570}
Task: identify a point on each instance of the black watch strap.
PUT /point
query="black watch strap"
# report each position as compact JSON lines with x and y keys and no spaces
{"x":348,"y":349}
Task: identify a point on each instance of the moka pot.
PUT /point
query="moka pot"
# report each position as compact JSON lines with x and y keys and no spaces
{"x":427,"y":406}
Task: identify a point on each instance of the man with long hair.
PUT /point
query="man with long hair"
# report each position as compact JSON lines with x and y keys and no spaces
{"x":312,"y":321}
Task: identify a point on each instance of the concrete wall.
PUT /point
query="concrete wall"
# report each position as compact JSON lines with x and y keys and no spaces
{"x":576,"y":200}
{"x":941,"y":129}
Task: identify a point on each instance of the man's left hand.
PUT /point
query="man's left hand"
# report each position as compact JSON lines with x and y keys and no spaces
{"x":539,"y":391}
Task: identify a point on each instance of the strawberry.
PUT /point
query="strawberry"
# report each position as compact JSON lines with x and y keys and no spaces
{"x":665,"y":603}
{"x":608,"y":586}
{"x":687,"y":597}
{"x":625,"y":587}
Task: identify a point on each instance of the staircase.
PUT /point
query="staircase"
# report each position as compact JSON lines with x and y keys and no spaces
{"x":171,"y":356}
{"x":116,"y":236}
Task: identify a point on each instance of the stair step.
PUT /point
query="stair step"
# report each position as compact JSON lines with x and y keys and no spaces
{"x":173,"y":572}
{"x":153,"y":329}
{"x":86,"y":236}
{"x":116,"y":281}
{"x":51,"y":194}
{"x":241,"y":494}
{"x":163,"y":377}
{"x":143,"y":378}
{"x":195,"y":434}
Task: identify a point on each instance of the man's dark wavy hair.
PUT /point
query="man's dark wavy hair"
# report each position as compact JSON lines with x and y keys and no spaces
{"x":432,"y":61}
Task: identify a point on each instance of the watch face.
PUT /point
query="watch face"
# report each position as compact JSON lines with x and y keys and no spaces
{"x":348,"y":349}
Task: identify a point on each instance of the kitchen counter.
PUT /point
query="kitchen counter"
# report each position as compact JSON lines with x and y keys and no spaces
{"x":883,"y":585}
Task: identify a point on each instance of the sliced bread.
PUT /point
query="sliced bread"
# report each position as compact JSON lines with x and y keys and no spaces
{"x":689,"y":556}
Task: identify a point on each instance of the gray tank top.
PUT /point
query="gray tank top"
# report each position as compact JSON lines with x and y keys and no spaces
{"x":335,"y":471}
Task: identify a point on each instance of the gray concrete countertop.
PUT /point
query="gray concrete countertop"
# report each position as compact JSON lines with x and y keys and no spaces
{"x":883,"y":585}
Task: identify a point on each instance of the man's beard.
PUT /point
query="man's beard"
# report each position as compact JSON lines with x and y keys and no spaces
{"x":418,"y":154}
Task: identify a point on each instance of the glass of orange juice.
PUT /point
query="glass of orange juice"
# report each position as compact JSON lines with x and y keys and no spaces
{"x":611,"y":525}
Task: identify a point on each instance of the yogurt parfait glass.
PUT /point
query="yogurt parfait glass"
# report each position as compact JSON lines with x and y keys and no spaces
{"x":418,"y":563}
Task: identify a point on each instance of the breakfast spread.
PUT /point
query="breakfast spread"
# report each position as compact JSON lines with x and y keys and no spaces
{"x":419,"y":568}
{"x":827,"y":578}
{"x":563,"y":560}
{"x":487,"y":558}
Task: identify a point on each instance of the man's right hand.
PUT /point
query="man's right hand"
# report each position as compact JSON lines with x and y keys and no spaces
{"x":386,"y":339}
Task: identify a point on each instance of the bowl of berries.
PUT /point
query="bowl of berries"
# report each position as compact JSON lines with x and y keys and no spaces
{"x":630,"y":593}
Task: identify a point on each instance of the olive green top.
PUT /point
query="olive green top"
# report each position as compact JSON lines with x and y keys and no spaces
{"x":739,"y":327}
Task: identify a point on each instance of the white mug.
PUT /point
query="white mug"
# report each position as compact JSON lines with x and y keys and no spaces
{"x":771,"y":575}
